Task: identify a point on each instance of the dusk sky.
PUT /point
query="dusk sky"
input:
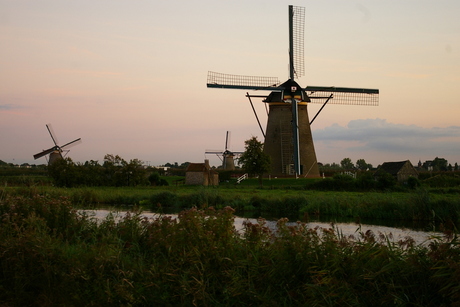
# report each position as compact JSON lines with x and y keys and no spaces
{"x":129,"y":77}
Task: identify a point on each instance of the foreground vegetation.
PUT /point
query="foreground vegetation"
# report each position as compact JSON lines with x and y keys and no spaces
{"x":51,"y":255}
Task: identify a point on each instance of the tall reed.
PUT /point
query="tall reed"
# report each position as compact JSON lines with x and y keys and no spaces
{"x":52,"y":255}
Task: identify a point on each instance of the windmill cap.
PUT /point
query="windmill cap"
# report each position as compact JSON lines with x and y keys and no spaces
{"x":289,"y":90}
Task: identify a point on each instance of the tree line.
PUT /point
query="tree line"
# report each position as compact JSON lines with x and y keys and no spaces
{"x":437,"y":165}
{"x":114,"y":171}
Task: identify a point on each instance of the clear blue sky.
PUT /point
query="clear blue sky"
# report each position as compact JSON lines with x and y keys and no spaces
{"x":129,"y":77}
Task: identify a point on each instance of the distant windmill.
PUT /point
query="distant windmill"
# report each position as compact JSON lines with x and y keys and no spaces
{"x":228,"y":157}
{"x":55,"y":152}
{"x":288,"y":138}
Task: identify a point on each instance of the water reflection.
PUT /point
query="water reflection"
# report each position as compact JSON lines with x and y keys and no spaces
{"x":395,"y":234}
{"x":402,"y":224}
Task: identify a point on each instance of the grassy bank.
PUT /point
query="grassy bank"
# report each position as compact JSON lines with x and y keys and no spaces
{"x":49,"y":256}
{"x":438,"y":205}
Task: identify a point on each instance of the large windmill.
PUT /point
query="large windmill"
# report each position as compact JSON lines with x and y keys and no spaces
{"x":55,"y":152}
{"x":228,"y":157}
{"x":288,"y":138}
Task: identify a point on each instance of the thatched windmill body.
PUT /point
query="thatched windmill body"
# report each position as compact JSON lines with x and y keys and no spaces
{"x":288,"y":138}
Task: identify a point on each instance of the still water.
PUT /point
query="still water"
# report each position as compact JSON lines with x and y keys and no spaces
{"x":395,"y":233}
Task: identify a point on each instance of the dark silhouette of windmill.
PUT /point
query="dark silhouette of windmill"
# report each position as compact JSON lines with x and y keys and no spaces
{"x":56,"y":151}
{"x":288,"y":138}
{"x":227,"y":157}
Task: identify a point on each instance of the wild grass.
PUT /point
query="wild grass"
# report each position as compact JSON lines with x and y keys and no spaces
{"x":413,"y":205}
{"x":50,"y":255}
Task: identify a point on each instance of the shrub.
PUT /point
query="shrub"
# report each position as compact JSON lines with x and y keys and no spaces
{"x":155,"y":180}
{"x":163,"y":199}
{"x":385,"y":181}
{"x":366,"y":181}
{"x":413,"y":182}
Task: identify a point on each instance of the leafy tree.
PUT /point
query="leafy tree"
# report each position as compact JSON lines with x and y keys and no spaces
{"x":254,"y":160}
{"x":92,"y":173}
{"x":184,"y":165}
{"x":64,"y":172}
{"x":347,"y":164}
{"x":114,"y":172}
{"x":133,"y":172}
{"x":330,"y":167}
{"x":439,"y":164}
{"x":119,"y":172}
{"x":112,"y":160}
{"x":362,"y":165}
{"x":112,"y":169}
{"x":177,"y":165}
{"x":172,"y":165}
{"x":156,"y":180}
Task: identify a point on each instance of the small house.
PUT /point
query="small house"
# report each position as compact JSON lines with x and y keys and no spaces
{"x":201,"y":174}
{"x":401,"y":170}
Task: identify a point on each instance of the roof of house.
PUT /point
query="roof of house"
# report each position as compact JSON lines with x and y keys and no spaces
{"x":200,"y":167}
{"x":196,"y":167}
{"x":392,"y":167}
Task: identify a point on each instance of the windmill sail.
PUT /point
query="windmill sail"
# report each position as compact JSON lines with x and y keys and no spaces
{"x":296,"y":41}
{"x":53,"y":136}
{"x":45,"y":152}
{"x":71,"y":144}
{"x":296,"y":68}
{"x":219,"y":80}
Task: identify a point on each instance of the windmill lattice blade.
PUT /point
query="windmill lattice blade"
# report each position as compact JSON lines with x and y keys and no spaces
{"x":219,"y":80}
{"x":216,"y":152}
{"x":45,"y":152}
{"x":71,"y":144}
{"x":53,"y":135}
{"x":343,"y":95}
{"x":298,"y":27}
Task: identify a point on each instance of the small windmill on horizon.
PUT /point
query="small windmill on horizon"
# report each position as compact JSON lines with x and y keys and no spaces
{"x":288,"y":139}
{"x":226,"y":156}
{"x":55,"y":152}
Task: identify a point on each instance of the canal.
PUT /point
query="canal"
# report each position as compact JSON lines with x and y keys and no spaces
{"x":420,"y":233}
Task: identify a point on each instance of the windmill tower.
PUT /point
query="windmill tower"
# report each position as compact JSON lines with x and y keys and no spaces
{"x":228,"y":157}
{"x":55,"y":152}
{"x":288,"y":138}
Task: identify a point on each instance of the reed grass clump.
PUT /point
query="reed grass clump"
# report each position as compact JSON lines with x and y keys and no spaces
{"x":85,"y":197}
{"x":419,"y":205}
{"x":52,"y":255}
{"x":164,"y":199}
